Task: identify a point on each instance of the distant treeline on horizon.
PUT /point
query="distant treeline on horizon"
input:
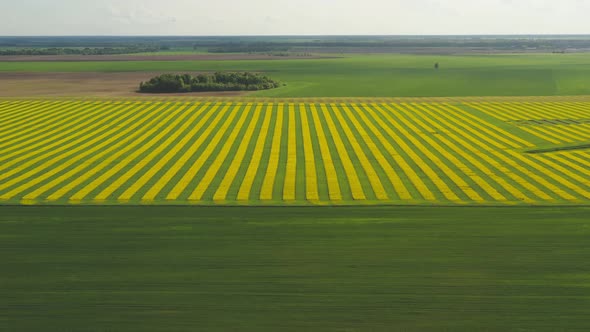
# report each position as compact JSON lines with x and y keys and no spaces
{"x":79,"y":51}
{"x":283,"y":43}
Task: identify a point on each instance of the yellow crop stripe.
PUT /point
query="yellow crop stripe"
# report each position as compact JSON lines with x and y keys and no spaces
{"x":334,"y":192}
{"x":291,"y":169}
{"x":254,"y":165}
{"x":61,"y":153}
{"x":101,"y":161}
{"x":355,"y":184}
{"x":183,"y":159}
{"x":266,"y":192}
{"x":23,"y":138}
{"x":434,"y":177}
{"x":226,"y":146}
{"x":231,"y":173}
{"x":466,"y":170}
{"x":82,"y":151}
{"x":311,"y":182}
{"x":372,"y":175}
{"x":398,"y":158}
{"x":475,"y":151}
{"x":198,"y":164}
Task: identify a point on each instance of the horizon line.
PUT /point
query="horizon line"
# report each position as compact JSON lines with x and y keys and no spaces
{"x":313,"y":35}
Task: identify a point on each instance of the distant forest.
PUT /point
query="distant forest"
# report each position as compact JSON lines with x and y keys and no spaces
{"x":298,"y":44}
{"x":397,"y":45}
{"x":79,"y":51}
{"x":170,"y":83}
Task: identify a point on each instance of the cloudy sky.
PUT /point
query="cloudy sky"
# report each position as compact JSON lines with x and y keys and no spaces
{"x":293,"y":17}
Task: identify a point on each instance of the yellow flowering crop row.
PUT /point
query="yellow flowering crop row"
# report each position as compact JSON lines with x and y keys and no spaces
{"x":268,"y":183}
{"x":180,"y":163}
{"x":36,"y":144}
{"x":392,"y":175}
{"x":100,"y":161}
{"x":230,"y":174}
{"x":433,"y":175}
{"x":226,"y":146}
{"x":153,"y":146}
{"x":482,"y":183}
{"x":27,"y":124}
{"x":165,"y":146}
{"x":409,"y":171}
{"x":515,"y":156}
{"x":356,"y":187}
{"x":291,"y":167}
{"x":457,"y":179}
{"x":81,"y":150}
{"x":253,"y":167}
{"x":358,"y":150}
{"x":471,"y":132}
{"x":311,"y":181}
{"x":142,"y":152}
{"x":468,"y":150}
{"x":183,"y":183}
{"x":334,"y":192}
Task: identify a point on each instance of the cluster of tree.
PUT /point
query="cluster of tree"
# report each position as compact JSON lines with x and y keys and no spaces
{"x":219,"y":81}
{"x":80,"y":51}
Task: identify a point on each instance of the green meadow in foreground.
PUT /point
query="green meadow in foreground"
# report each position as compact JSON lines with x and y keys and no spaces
{"x":294,"y":269}
{"x":388,"y":75}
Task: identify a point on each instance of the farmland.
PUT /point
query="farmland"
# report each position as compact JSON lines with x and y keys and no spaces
{"x":375,"y":75}
{"x":294,"y":268}
{"x":294,"y":153}
{"x":371,"y":193}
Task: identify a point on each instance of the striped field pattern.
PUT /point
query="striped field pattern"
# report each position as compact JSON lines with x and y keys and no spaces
{"x":177,"y":152}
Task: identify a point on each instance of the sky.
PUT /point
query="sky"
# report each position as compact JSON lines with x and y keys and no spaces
{"x":293,"y":17}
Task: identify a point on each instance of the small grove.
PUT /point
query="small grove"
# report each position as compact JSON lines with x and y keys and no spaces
{"x":169,"y":83}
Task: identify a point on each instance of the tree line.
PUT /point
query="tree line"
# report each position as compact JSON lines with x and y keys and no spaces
{"x":79,"y":51}
{"x":169,"y":83}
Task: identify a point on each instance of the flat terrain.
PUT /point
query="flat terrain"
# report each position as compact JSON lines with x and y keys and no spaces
{"x":294,"y":269}
{"x":153,"y":57}
{"x":372,"y":193}
{"x":84,"y":84}
{"x":362,"y":75}
{"x":282,"y":153}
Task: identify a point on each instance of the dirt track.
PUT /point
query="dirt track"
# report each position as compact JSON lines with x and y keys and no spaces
{"x":183,"y":57}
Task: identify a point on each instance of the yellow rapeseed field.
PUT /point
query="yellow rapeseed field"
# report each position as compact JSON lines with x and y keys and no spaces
{"x":259,"y":153}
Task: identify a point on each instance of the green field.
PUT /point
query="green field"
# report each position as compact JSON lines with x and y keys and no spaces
{"x":294,"y":269}
{"x":381,"y":75}
{"x":177,"y":152}
{"x":354,"y":212}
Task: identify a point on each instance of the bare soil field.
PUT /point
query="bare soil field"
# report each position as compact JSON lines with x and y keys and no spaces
{"x":136,"y":57}
{"x":123,"y":85}
{"x":84,"y":84}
